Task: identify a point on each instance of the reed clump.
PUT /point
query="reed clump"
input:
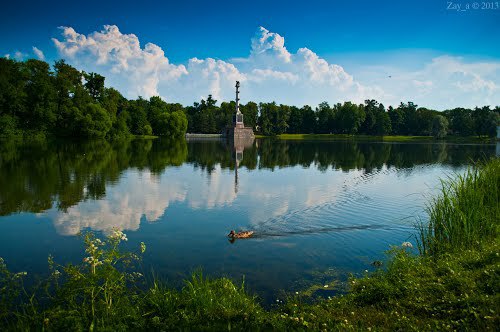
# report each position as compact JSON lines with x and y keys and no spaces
{"x":466,"y":214}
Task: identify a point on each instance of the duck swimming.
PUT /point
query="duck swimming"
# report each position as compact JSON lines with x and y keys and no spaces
{"x":240,"y":235}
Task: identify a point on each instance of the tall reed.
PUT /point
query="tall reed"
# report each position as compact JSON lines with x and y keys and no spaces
{"x":466,"y":214}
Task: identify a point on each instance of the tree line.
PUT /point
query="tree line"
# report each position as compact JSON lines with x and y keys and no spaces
{"x":68,"y":102}
{"x":370,"y":118}
{"x":34,"y":100}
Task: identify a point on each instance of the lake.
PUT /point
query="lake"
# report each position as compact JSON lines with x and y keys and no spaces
{"x":320,"y":210}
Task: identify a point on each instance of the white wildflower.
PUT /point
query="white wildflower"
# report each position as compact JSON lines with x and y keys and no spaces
{"x":119,"y":235}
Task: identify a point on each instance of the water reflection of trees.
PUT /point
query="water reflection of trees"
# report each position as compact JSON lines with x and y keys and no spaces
{"x":342,"y":155}
{"x":364,"y":155}
{"x":35,"y":175}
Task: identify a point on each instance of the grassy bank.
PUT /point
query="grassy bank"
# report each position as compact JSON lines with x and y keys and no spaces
{"x":390,"y":138}
{"x":325,"y":137}
{"x":145,"y":136}
{"x":454,"y":284}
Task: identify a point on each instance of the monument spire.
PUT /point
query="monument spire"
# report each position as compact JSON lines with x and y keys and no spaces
{"x":237,"y":97}
{"x":238,"y":130}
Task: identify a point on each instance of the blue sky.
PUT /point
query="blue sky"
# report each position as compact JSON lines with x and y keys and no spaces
{"x":369,"y":40}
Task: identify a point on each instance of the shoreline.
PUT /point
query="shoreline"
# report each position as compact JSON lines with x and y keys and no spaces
{"x":387,"y":138}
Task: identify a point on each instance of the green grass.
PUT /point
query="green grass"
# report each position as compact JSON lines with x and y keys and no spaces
{"x":466,"y":214}
{"x":401,"y":138}
{"x":388,"y":138}
{"x":353,"y":137}
{"x":145,"y":136}
{"x":413,"y":293}
{"x":453,"y":285}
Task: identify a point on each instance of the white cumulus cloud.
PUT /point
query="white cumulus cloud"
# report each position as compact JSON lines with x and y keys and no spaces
{"x":132,"y":69}
{"x":271,"y":72}
{"x":447,"y":82}
{"x":39,"y":54}
{"x":270,"y":46}
{"x":19,"y":56}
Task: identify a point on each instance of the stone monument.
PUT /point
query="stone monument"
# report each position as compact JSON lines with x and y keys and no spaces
{"x":238,"y":131}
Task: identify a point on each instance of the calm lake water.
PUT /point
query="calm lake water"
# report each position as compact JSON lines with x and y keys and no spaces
{"x":320,"y":210}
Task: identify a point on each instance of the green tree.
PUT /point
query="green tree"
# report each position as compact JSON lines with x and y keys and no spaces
{"x":461,"y":121}
{"x":120,"y":129}
{"x":485,"y":121}
{"x":94,"y":85}
{"x":439,"y":126}
{"x":95,"y":121}
{"x":383,"y":124}
{"x":138,"y":121}
{"x":397,"y":120}
{"x":67,"y":81}
{"x":112,"y":101}
{"x":205,"y":116}
{"x":8,"y":125}
{"x":225,"y":114}
{"x":178,"y":124}
{"x":295,"y":122}
{"x":281,"y":120}
{"x":409,"y":123}
{"x":325,"y":115}
{"x":12,"y":84}
{"x":371,"y":110}
{"x":350,"y":117}
{"x":309,"y":122}
{"x":425,"y":118}
{"x":41,"y":104}
{"x":267,"y":117}
{"x":157,"y":114}
{"x":250,"y":114}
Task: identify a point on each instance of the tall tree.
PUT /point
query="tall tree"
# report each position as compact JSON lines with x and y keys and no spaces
{"x":295,"y":122}
{"x":309,"y":121}
{"x":371,"y":109}
{"x":350,"y":117}
{"x":94,"y":85}
{"x":325,"y":117}
{"x":439,"y":126}
{"x":250,"y":114}
{"x":41,"y":106}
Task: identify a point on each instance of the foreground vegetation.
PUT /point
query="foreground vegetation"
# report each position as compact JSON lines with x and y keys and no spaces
{"x":39,"y":100}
